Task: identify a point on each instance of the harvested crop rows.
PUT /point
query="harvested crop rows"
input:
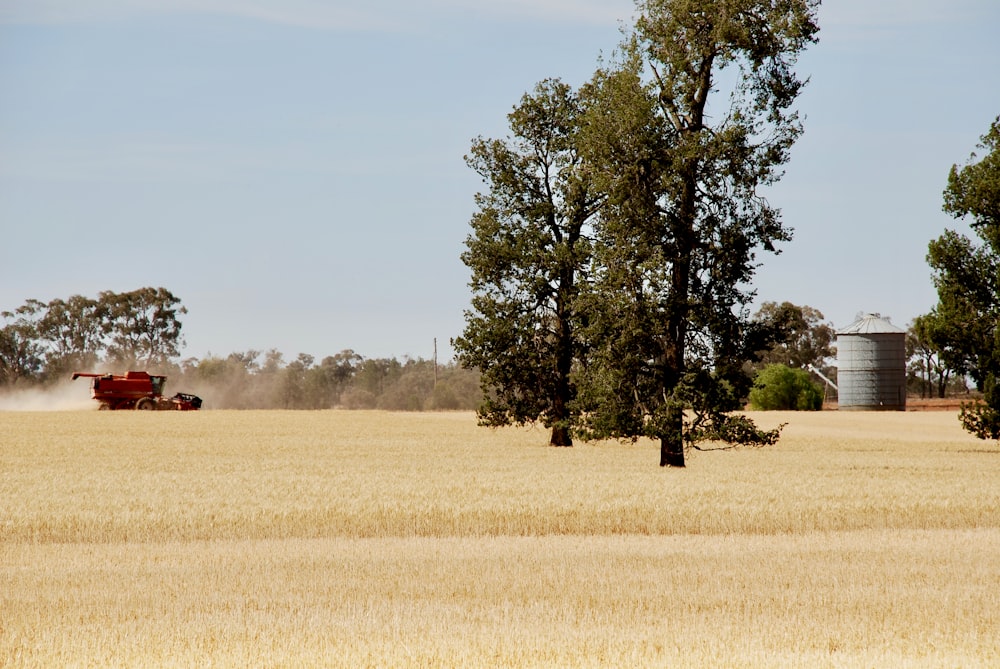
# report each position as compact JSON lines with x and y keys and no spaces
{"x":386,"y":539}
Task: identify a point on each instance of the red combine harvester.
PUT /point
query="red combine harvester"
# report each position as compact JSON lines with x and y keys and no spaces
{"x":136,"y":390}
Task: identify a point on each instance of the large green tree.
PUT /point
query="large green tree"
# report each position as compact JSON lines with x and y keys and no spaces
{"x":967,"y":277}
{"x":526,"y":252}
{"x":143,"y":326}
{"x":684,"y":133}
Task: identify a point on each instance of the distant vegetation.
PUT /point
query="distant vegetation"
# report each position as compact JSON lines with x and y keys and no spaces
{"x":42,"y":344}
{"x":346,"y":380}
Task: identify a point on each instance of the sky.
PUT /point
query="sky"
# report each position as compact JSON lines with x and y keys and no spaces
{"x":293,"y":170}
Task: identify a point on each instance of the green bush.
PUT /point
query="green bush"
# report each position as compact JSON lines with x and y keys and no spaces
{"x":983,"y":418}
{"x":783,"y":388}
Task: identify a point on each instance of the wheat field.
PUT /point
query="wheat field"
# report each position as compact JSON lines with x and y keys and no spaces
{"x":354,"y":539}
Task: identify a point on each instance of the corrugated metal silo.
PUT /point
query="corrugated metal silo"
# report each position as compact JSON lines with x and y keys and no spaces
{"x":871,"y":365}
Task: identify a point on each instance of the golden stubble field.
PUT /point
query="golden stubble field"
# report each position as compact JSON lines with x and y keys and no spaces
{"x":335,"y":538}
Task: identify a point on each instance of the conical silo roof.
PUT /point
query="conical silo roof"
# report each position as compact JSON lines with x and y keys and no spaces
{"x":871,"y":324}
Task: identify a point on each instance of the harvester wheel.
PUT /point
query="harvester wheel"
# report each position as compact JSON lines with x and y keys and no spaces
{"x":145,"y":404}
{"x":104,"y":406}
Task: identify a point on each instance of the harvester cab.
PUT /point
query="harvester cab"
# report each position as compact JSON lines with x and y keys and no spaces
{"x":136,"y":390}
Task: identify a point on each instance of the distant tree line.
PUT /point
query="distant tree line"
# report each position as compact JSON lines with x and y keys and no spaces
{"x":255,"y":380}
{"x":43,"y":343}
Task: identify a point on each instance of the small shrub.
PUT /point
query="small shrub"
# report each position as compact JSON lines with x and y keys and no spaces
{"x":983,"y":418}
{"x":783,"y":388}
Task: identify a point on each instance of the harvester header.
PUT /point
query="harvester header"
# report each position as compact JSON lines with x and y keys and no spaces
{"x":136,"y":390}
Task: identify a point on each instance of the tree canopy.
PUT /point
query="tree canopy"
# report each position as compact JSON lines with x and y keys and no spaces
{"x":967,"y":277}
{"x":974,"y":189}
{"x":47,"y":340}
{"x":803,"y":338}
{"x":143,"y":325}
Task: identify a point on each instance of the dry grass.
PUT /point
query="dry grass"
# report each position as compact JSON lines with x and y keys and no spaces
{"x":379,"y":539}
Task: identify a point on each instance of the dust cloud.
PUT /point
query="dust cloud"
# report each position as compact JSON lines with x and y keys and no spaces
{"x":62,"y":397}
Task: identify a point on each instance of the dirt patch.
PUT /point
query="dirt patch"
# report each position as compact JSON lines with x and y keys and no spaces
{"x":936,"y":404}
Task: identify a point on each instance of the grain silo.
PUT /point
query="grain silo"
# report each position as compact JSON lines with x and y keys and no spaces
{"x":871,"y":365}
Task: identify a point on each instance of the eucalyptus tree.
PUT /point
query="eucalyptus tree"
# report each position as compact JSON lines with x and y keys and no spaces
{"x":967,"y":277}
{"x":143,"y":325}
{"x":683,"y":133}
{"x":804,"y":338}
{"x":21,"y":354}
{"x":528,"y":246}
{"x":930,"y":349}
{"x":74,"y":331}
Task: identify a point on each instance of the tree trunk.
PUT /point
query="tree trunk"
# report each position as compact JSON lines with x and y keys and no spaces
{"x":672,"y":443}
{"x":943,"y":377}
{"x":560,"y":436}
{"x":566,"y":347}
{"x":671,"y":451}
{"x":560,"y":412}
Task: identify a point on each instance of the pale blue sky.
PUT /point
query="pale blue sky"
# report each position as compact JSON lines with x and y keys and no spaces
{"x":293,"y":171}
